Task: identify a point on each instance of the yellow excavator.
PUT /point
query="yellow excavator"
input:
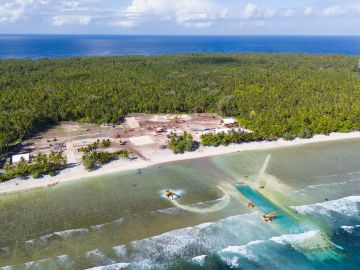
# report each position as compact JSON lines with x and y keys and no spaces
{"x":170,"y":194}
{"x":270,"y":216}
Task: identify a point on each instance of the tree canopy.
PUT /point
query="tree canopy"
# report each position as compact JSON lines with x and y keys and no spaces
{"x":272,"y":94}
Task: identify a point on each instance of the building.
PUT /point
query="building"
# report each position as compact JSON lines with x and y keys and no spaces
{"x":228,"y":121}
{"x":17,"y":158}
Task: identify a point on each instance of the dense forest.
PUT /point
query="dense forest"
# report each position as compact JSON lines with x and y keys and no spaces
{"x":272,"y":94}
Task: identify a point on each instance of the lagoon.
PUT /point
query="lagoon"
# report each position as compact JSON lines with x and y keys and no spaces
{"x":122,"y":219}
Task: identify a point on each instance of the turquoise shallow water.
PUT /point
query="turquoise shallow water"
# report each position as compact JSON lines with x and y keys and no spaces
{"x":122,"y":220}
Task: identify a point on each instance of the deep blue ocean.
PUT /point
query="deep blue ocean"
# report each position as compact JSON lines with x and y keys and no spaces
{"x":51,"y":46}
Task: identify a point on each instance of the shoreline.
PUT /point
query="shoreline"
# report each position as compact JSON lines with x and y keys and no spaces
{"x":161,"y":157}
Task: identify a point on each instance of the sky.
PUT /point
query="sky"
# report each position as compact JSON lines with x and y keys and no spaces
{"x":181,"y":17}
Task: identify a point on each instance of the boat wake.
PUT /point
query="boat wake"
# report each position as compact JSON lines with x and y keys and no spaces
{"x":222,"y":203}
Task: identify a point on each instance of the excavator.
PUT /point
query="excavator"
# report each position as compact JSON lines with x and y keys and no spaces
{"x":270,"y":216}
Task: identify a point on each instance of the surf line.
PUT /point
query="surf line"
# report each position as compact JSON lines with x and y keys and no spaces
{"x":223,"y":202}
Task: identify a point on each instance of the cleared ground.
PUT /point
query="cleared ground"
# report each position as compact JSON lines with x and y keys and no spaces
{"x":141,"y":134}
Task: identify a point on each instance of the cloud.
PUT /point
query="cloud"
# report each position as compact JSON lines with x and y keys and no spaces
{"x":71,"y":19}
{"x":198,"y":24}
{"x":220,"y":15}
{"x":70,"y":5}
{"x":255,"y":11}
{"x":334,"y":11}
{"x":125,"y":23}
{"x":188,"y":13}
{"x":308,"y":11}
{"x":289,"y":13}
{"x":13,"y":11}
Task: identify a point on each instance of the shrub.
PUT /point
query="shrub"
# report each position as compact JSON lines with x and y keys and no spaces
{"x":41,"y":164}
{"x":182,"y":143}
{"x":35,"y":174}
{"x":234,"y":136}
{"x":93,"y":157}
{"x":289,"y":136}
{"x":305,"y":133}
{"x":106,"y":143}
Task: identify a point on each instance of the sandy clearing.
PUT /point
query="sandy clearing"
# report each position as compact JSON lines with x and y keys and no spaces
{"x":131,"y":122}
{"x":142,"y":140}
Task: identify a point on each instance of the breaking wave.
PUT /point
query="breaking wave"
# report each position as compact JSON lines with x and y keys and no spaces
{"x":333,"y":184}
{"x":349,"y":206}
{"x":312,"y":244}
{"x":115,"y":266}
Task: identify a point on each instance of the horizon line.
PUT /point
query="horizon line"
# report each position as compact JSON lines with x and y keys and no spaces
{"x":184,"y":35}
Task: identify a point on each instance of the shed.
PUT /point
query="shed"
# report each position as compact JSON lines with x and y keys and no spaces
{"x":17,"y":158}
{"x":228,"y":121}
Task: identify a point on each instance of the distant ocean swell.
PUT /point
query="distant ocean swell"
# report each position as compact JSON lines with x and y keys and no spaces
{"x":51,"y":46}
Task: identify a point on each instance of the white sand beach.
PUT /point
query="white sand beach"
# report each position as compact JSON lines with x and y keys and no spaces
{"x":159,"y":157}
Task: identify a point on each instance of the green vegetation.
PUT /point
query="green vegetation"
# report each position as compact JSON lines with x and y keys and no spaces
{"x":105,"y":143}
{"x":38,"y":165}
{"x":180,"y":144}
{"x":271,"y":94}
{"x":222,"y":138}
{"x":92,"y":157}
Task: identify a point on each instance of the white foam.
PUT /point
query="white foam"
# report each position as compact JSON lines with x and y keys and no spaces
{"x":176,"y":210}
{"x":348,"y":229}
{"x":206,"y":238}
{"x":95,"y":252}
{"x":309,"y":243}
{"x":63,"y":234}
{"x":115,"y":266}
{"x":71,"y":232}
{"x":222,"y":203}
{"x":98,"y":257}
{"x":295,"y":238}
{"x":38,"y":263}
{"x":99,"y":226}
{"x":327,"y":185}
{"x":200,"y":260}
{"x":244,"y":250}
{"x":340,"y":174}
{"x":346,"y":206}
{"x":120,"y":251}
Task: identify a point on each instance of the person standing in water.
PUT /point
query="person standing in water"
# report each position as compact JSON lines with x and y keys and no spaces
{"x":250,"y":204}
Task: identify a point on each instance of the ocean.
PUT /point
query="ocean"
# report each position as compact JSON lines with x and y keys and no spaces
{"x":52,"y":46}
{"x":123,"y":221}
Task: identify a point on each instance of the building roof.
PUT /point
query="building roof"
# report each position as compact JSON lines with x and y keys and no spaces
{"x":228,"y":121}
{"x":17,"y":158}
